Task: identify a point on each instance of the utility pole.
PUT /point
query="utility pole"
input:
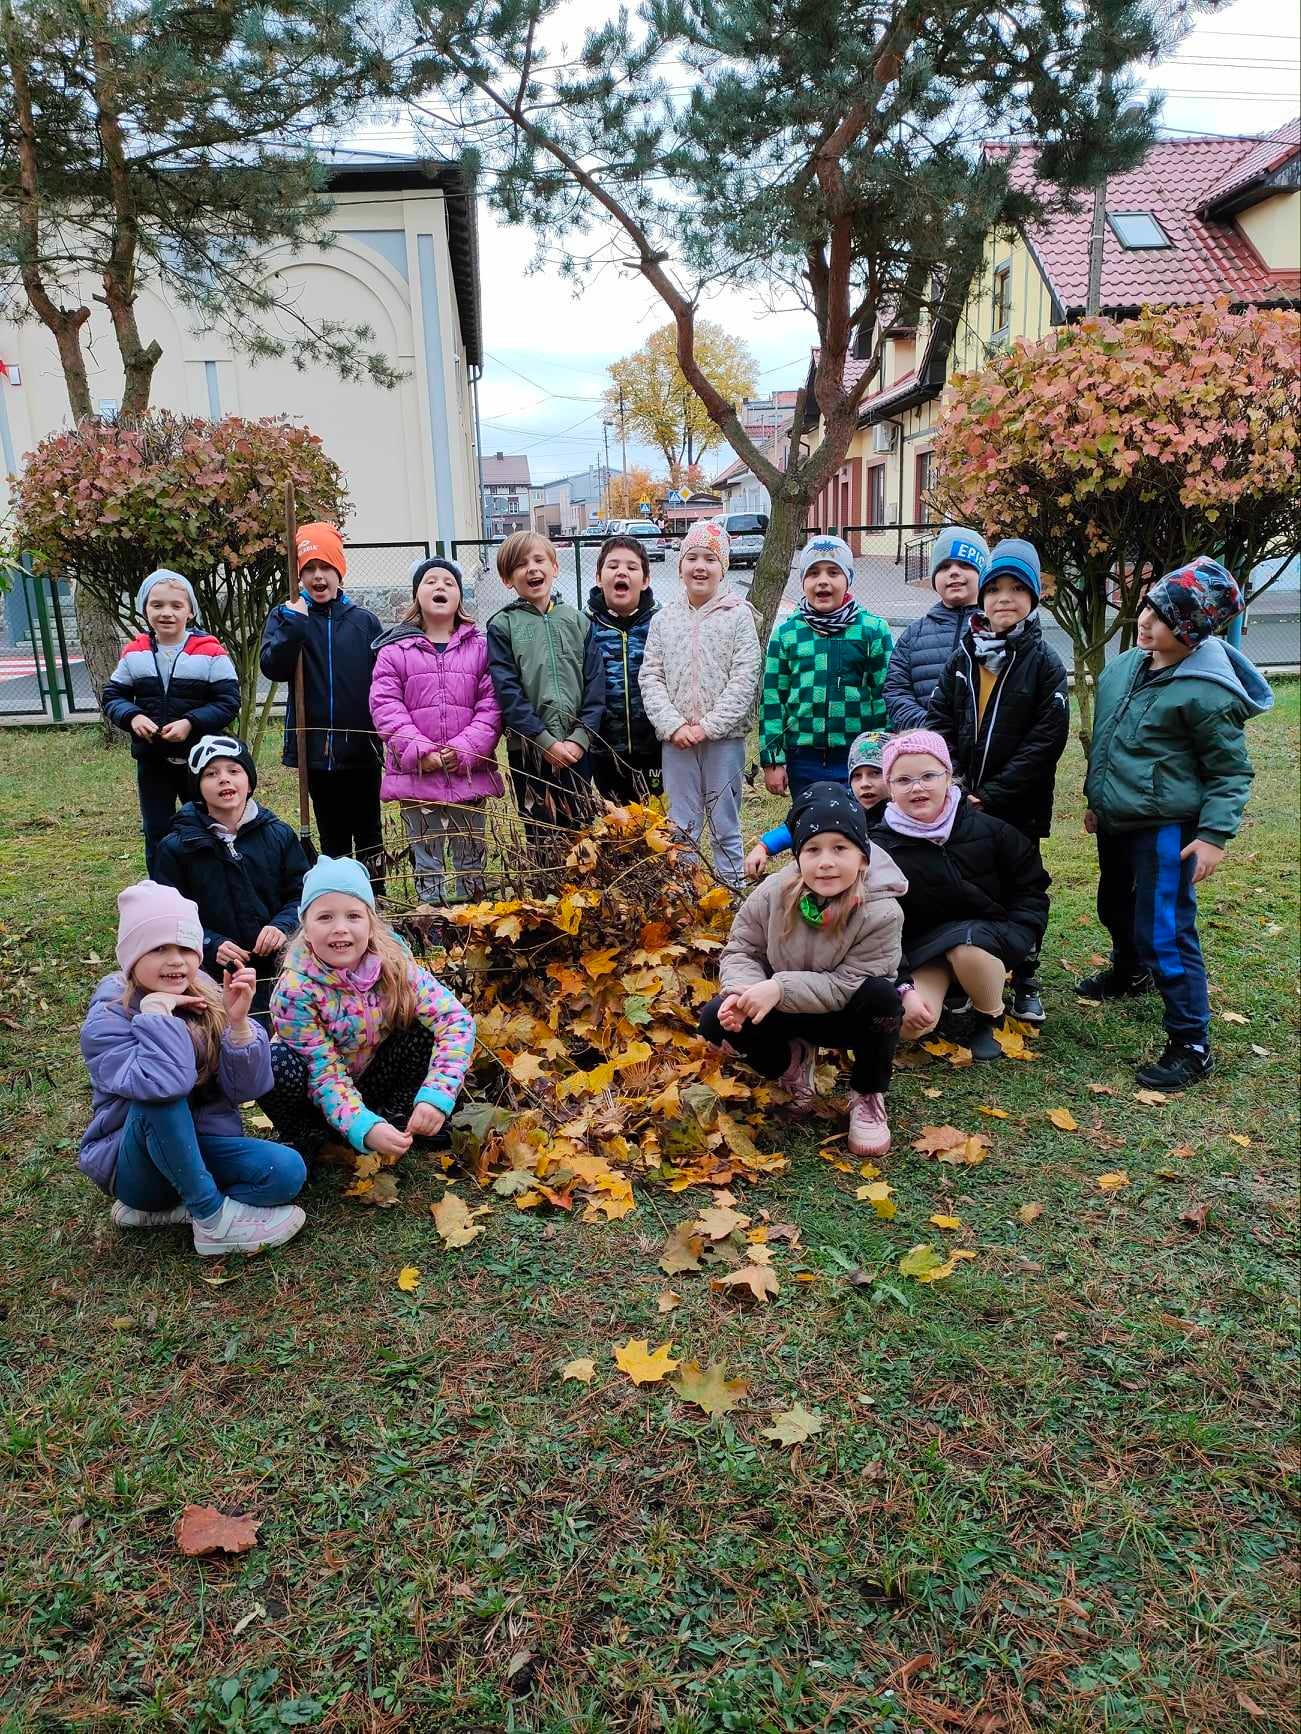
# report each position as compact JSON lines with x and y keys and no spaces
{"x":1096,"y":237}
{"x":605,"y":435}
{"x":623,"y":436}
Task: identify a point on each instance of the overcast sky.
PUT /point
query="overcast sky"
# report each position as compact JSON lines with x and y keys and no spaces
{"x":548,"y":349}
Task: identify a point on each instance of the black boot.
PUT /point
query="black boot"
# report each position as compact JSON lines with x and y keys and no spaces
{"x":1109,"y":983}
{"x":981,"y":1040}
{"x":1181,"y":1064}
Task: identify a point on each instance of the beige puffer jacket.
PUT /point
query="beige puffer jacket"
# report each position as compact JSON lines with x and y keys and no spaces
{"x":702,"y":666}
{"x":819,"y":969}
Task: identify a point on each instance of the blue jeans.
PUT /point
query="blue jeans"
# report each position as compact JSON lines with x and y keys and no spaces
{"x":162,"y":1159}
{"x":805,"y":765}
{"x":1147,"y":903}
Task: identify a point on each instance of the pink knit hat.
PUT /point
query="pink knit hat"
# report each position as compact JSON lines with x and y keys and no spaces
{"x":150,"y":915}
{"x":918,"y":741}
{"x":710,"y":538}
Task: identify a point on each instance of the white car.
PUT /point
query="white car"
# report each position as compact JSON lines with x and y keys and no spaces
{"x":645,"y":531}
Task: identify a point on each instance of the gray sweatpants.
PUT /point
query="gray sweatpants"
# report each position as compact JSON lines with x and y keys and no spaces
{"x":442,"y":831}
{"x":703,"y":787}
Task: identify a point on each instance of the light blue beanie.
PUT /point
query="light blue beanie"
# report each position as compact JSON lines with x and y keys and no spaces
{"x":163,"y":576}
{"x":1014,"y":558}
{"x":833,"y":548}
{"x":956,"y":543}
{"x":340,"y":874}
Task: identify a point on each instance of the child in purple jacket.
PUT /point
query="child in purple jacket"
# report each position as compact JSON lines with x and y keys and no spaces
{"x":171,"y":1056}
{"x":432,"y":700}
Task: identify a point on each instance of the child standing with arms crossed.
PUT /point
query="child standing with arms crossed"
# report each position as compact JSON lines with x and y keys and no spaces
{"x":1167,"y":782}
{"x":171,"y":685}
{"x":171,"y":1056}
{"x":698,"y":681}
{"x":550,"y":684}
{"x":433,"y":702}
{"x":372,"y":1048}
{"x":334,"y":636}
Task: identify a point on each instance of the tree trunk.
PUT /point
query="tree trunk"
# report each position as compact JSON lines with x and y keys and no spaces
{"x":785,"y":526}
{"x":101,"y":645}
{"x":1090,"y":660}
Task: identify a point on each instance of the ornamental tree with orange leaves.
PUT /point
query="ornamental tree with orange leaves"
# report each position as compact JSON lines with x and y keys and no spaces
{"x":1122,"y":449}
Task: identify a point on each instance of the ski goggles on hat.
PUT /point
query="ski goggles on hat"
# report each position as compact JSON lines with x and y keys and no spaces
{"x":214,"y":747}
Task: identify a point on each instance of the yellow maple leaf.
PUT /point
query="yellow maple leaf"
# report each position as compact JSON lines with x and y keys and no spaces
{"x":708,"y":1388}
{"x":643,"y":1365}
{"x":1239,"y":1138}
{"x":1028,"y":1213}
{"x":526,"y":1068}
{"x":667,"y":1299}
{"x":877,"y":1194}
{"x":718,"y":1222}
{"x":409,"y":1278}
{"x":584,"y":1370}
{"x":759,"y":1280}
{"x":599,"y":963}
{"x":1063,"y":1119}
{"x":718,"y":898}
{"x":1113,"y":1182}
{"x":569,"y":912}
{"x":946,"y":1221}
{"x":994,"y":1113}
{"x":455,"y":1221}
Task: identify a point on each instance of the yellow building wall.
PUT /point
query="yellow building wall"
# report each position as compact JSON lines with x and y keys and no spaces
{"x":1274,"y":229}
{"x":1030,"y":314}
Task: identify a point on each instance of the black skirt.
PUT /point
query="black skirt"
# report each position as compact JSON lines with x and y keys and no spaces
{"x":999,"y":938}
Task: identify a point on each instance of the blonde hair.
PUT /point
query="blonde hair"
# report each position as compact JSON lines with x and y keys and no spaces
{"x":516,"y":549}
{"x":207,"y":1023}
{"x":394,"y":984}
{"x":839,"y":909}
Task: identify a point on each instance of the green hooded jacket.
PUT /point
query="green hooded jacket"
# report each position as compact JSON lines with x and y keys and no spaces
{"x":548,"y":674}
{"x":1171,"y":750}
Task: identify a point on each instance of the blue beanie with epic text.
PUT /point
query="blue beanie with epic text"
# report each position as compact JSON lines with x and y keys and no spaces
{"x":956,"y":543}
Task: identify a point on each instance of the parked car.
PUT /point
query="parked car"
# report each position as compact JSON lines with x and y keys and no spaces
{"x":646,"y":532}
{"x":745,"y":532}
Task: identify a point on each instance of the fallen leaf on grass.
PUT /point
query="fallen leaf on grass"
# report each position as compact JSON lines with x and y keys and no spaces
{"x":708,"y":1388}
{"x":644,"y":1365}
{"x":760,"y":1280}
{"x":219,"y":1279}
{"x":584,"y":1370}
{"x":667,"y":1300}
{"x":454,"y":1219}
{"x":1112,"y":1182}
{"x":933,"y":1094}
{"x":1195,"y":1216}
{"x":1240,"y":1138}
{"x":1010,"y":1036}
{"x":409,"y":1278}
{"x":256,"y":1612}
{"x":718,"y":1223}
{"x":1063,"y":1119}
{"x":1150,"y":1098}
{"x":877,"y":1194}
{"x":932,"y":1139}
{"x":1183,"y":1151}
{"x":1231,"y":1017}
{"x":203,"y":1529}
{"x":1102,"y":1089}
{"x":793,"y":1426}
{"x":924,"y":1264}
{"x":950,"y":1051}
{"x":994,"y":1113}
{"x":1028,"y":1213}
{"x":380,"y":1191}
{"x":947,"y":1221}
{"x":1261,"y":1053}
{"x":1248,"y":1703}
{"x":682,"y":1249}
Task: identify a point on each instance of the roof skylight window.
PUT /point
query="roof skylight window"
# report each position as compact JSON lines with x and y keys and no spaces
{"x":1137,"y":230}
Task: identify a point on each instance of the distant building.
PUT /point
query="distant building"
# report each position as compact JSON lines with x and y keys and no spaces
{"x":570,"y":505}
{"x":507,"y":494}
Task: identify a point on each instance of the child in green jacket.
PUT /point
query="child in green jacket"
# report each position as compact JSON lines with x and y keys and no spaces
{"x":1167,"y":782}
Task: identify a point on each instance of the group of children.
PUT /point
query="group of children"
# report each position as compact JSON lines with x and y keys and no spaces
{"x":915,"y":885}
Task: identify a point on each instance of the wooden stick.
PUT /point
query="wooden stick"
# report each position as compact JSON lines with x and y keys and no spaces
{"x":300,"y":708}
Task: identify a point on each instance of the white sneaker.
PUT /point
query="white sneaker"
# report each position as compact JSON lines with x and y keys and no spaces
{"x":247,"y":1228}
{"x":125,"y":1217}
{"x":869,"y":1130}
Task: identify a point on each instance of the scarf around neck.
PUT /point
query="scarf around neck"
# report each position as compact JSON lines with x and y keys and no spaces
{"x":990,"y":647}
{"x":937,"y":831}
{"x":828,"y":625}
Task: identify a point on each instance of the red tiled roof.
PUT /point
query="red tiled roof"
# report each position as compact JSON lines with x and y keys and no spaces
{"x":1207,"y":258}
{"x":1269,"y":154}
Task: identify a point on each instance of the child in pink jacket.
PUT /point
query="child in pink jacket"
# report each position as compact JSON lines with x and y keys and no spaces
{"x":432,"y":700}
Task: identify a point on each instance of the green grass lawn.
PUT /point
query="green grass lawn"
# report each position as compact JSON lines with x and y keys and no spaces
{"x":1055,"y":1492}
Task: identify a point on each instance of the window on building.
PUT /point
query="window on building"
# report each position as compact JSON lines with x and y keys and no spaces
{"x":1002,"y":297}
{"x":1137,"y":230}
{"x":925,"y":477}
{"x":876,"y":494}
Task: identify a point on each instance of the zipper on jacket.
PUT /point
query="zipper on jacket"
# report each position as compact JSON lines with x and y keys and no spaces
{"x":551,"y":654}
{"x":627,"y":698}
{"x":329,"y":680}
{"x":993,"y":715}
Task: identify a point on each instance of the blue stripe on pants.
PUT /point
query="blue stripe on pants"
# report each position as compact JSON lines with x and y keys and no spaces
{"x":1147,"y":902}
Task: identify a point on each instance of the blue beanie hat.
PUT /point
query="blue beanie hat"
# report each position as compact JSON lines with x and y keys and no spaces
{"x":833,"y":548}
{"x":340,"y":874}
{"x":163,"y":576}
{"x":956,"y":543}
{"x":1013,"y":558}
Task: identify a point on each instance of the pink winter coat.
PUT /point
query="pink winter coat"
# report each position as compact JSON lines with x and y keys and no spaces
{"x":423,"y":699}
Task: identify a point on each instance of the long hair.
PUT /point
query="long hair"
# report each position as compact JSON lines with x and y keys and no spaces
{"x":206,"y":1023}
{"x":839,"y":909}
{"x":394,"y":984}
{"x":628,"y":543}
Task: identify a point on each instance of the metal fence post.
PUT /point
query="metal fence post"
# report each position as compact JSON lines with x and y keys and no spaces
{"x":578,"y":572}
{"x":47,"y":641}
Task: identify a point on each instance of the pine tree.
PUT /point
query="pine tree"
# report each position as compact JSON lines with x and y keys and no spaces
{"x":826,"y":150}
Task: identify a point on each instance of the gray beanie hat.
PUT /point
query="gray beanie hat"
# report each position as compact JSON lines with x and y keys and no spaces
{"x":164,"y":576}
{"x":956,"y":543}
{"x":833,"y":548}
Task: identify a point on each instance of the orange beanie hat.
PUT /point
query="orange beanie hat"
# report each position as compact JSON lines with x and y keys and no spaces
{"x":322,"y":542}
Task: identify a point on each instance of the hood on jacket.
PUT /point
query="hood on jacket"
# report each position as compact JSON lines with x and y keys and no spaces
{"x":720,"y":601}
{"x":883,"y":877}
{"x":600,"y":610}
{"x":194,"y":828}
{"x":1222,"y":665}
{"x":339,"y":600}
{"x":412,"y":629}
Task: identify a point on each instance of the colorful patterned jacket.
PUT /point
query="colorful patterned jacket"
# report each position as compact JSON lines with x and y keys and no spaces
{"x":821,"y":691}
{"x":336,"y":1026}
{"x":204,"y":689}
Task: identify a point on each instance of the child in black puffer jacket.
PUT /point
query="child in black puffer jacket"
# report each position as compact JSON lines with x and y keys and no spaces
{"x":1002,"y":707}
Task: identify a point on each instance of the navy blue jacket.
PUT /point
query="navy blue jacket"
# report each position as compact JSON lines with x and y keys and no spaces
{"x":1009,"y":757}
{"x":204,"y":689}
{"x":241,"y":893}
{"x":921,"y":653}
{"x":336,"y":640}
{"x":621,"y":640}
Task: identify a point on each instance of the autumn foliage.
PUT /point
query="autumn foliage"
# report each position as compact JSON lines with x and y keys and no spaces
{"x":1121,"y":450}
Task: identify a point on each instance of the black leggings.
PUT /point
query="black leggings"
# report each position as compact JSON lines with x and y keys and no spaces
{"x":388,"y":1087}
{"x":867,"y":1027}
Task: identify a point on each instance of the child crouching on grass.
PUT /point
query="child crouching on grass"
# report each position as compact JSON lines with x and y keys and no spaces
{"x":811,"y":961}
{"x":372,"y":1048}
{"x":170,"y":1057}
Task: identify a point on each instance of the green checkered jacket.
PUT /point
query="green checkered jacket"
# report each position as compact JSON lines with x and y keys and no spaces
{"x":821,"y":692}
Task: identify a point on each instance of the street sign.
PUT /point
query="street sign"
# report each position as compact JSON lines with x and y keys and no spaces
{"x":644,"y":508}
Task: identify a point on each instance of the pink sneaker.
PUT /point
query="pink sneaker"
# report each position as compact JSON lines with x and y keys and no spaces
{"x":797,"y":1079}
{"x":869,"y":1132}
